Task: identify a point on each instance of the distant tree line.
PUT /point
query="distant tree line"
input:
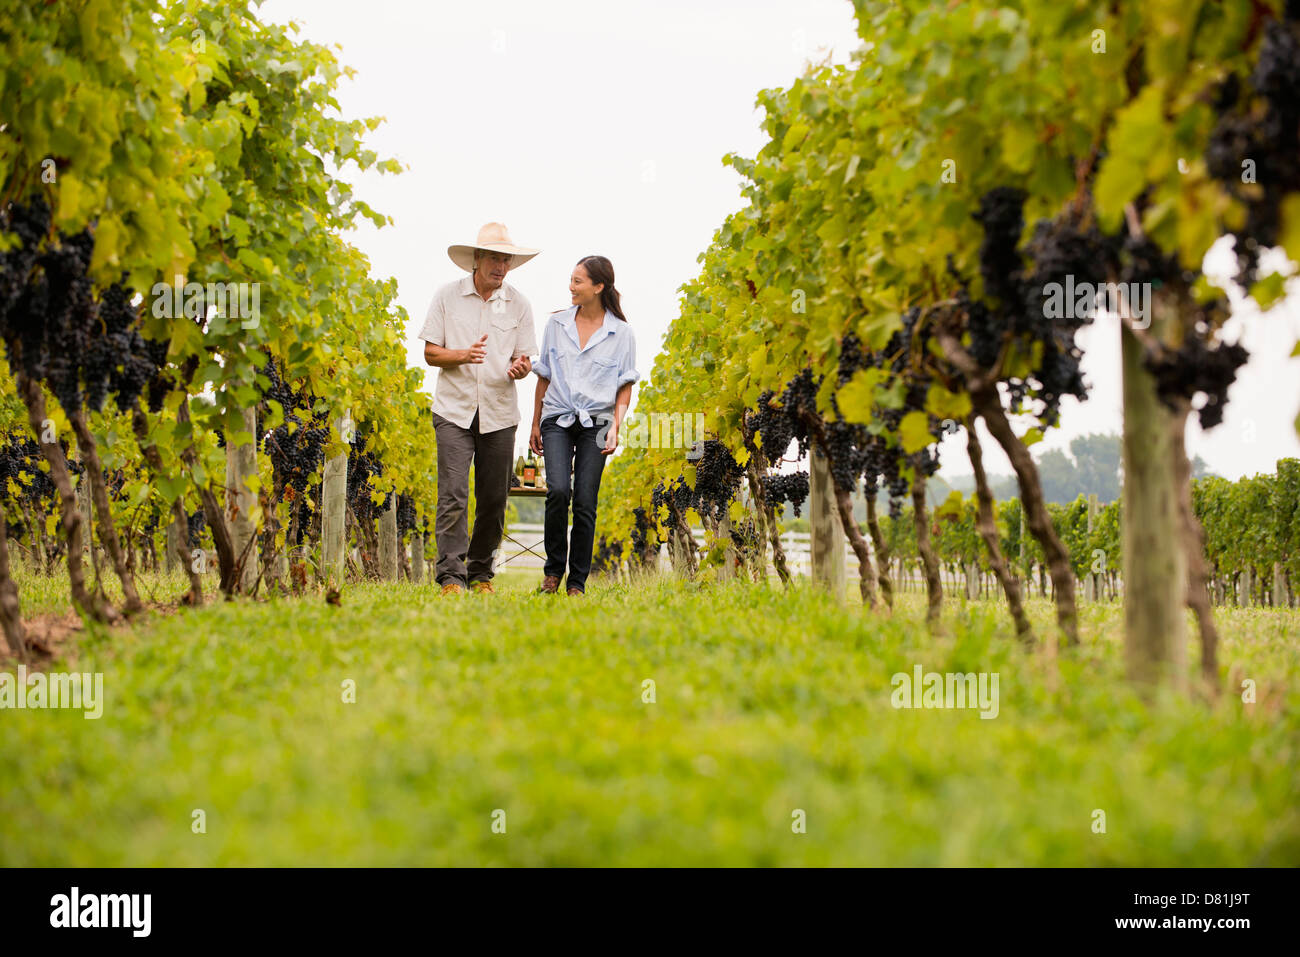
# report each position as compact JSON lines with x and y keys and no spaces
{"x":1092,"y":468}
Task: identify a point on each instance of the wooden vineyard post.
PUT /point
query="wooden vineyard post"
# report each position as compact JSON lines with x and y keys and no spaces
{"x":417,"y":551}
{"x":335,"y":493}
{"x":242,"y":506}
{"x":1155,"y":564}
{"x":827,"y":538}
{"x":388,"y":559}
{"x":755,"y":511}
{"x":677,"y":553}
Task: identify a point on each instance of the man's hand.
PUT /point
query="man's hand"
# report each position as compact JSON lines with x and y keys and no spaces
{"x":475,"y":353}
{"x":520,"y":367}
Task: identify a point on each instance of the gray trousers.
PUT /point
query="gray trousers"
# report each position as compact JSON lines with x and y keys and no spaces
{"x":463,"y":559}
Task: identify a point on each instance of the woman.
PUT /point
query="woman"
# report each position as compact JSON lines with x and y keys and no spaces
{"x":584,"y":384}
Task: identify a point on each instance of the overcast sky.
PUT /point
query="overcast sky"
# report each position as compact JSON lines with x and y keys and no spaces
{"x":598,"y":127}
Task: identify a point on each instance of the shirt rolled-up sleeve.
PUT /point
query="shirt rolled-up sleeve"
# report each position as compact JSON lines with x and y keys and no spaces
{"x":435,"y":322}
{"x":627,"y":361}
{"x":542,"y":367}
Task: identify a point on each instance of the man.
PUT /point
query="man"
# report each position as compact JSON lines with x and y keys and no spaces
{"x":479,"y":333}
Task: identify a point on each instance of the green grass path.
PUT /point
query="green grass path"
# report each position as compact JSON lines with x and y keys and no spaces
{"x":532,"y":705}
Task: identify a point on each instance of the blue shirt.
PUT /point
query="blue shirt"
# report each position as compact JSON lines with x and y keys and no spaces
{"x":584,"y":381}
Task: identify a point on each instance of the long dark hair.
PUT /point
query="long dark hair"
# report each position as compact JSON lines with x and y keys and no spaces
{"x":601,"y":271}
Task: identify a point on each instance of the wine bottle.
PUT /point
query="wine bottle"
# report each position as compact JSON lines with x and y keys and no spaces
{"x":530,"y":471}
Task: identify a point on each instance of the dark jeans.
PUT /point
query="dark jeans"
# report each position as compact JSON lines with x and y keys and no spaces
{"x":493,"y":455}
{"x":573,"y":468}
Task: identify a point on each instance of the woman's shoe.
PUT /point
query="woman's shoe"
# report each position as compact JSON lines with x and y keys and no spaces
{"x":453,"y":588}
{"x":574,"y":591}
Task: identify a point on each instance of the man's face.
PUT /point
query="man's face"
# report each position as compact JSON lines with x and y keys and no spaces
{"x":491,"y":268}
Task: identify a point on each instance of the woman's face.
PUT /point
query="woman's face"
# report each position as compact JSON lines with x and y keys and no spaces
{"x":583,"y":291}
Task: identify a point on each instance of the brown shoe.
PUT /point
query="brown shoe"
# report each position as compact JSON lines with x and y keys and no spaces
{"x":482,"y":588}
{"x":574,"y":591}
{"x":453,"y":588}
{"x":550,"y":585}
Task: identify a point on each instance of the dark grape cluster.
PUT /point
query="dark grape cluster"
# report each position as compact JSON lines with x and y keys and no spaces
{"x":30,"y":224}
{"x":641,"y":527}
{"x":717,"y":479}
{"x":297,"y":446}
{"x":1060,"y":248}
{"x":362,"y":467}
{"x":121,"y":360}
{"x":852,"y":358}
{"x":799,"y":400}
{"x":1260,"y":132}
{"x":782,"y":487}
{"x":683,"y":496}
{"x":405,"y":515}
{"x":773,"y":426}
{"x":277,"y":390}
{"x":19,"y":456}
{"x":607,"y":556}
{"x":676,"y":495}
{"x":878,"y":461}
{"x":1196,"y":368}
{"x":744,"y":535}
{"x":927,"y":460}
{"x":1144,"y":261}
{"x":68,"y":303}
{"x":906,"y":344}
{"x":113,"y":482}
{"x":897,"y":491}
{"x":855,"y":452}
{"x":846,"y":453}
{"x":1231,"y":143}
{"x":1001,"y":213}
{"x":1015,"y":307}
{"x":1070,"y":245}
{"x":197,"y":523}
{"x":54,"y":328}
{"x":658,"y":500}
{"x":307,"y":515}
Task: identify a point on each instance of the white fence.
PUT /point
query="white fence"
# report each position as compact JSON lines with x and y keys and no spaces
{"x":514,"y":551}
{"x":514,"y":554}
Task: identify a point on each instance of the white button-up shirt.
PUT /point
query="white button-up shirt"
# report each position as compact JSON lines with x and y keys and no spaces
{"x":458,"y":317}
{"x":584,"y":380}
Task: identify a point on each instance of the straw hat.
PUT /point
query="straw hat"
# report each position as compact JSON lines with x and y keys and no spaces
{"x":493,"y":237}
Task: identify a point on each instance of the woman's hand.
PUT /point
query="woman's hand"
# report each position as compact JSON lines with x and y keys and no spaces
{"x":535,"y":438}
{"x":611,"y":440}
